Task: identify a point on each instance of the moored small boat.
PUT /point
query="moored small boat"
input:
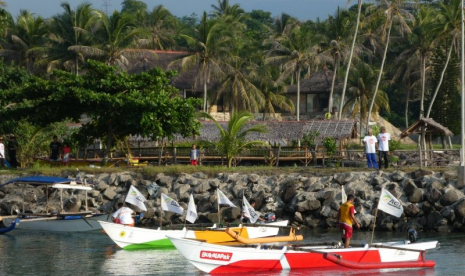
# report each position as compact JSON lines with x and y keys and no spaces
{"x":81,"y":221}
{"x":212,"y":258}
{"x":131,"y":238}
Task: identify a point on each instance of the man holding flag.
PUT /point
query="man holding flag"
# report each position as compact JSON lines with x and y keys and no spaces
{"x":249,"y":215}
{"x":346,"y":218}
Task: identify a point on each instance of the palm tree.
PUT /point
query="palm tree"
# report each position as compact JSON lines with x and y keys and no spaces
{"x":113,"y":40}
{"x":209,"y":47}
{"x":274,"y":93}
{"x":65,"y":32}
{"x":418,"y":51}
{"x":27,"y":44}
{"x":393,"y":10}
{"x":162,"y":25}
{"x":349,"y":62}
{"x":296,"y":52}
{"x":233,"y":140}
{"x":449,"y":19}
{"x":361,"y":83}
{"x":237,"y":87}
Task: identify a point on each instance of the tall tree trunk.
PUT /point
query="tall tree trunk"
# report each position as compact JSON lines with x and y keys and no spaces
{"x":359,"y":11}
{"x":423,"y":86}
{"x":298,"y":95}
{"x":442,"y":77}
{"x":380,"y":75}
{"x":205,"y":90}
{"x":406,"y":108}
{"x":333,"y":82}
{"x":106,"y":153}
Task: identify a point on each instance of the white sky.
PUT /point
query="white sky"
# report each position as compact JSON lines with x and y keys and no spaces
{"x":302,"y":9}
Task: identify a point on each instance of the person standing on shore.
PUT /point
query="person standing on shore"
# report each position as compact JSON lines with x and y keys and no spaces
{"x":370,"y":149}
{"x":55,"y":148}
{"x":12,"y":147}
{"x":346,"y":218}
{"x":66,"y":152}
{"x":383,"y":147}
{"x":194,"y":155}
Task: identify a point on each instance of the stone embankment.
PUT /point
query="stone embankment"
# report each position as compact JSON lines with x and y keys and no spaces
{"x":431,"y":201}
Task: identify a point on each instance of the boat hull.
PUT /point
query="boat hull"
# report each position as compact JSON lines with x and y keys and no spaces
{"x":133,"y":238}
{"x":59,"y":224}
{"x":214,"y":259}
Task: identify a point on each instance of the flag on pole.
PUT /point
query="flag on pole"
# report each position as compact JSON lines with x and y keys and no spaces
{"x":136,"y":198}
{"x":389,"y":204}
{"x":169,"y":204}
{"x":249,"y":211}
{"x":222,"y":199}
{"x":191,"y":215}
{"x":343,"y":195}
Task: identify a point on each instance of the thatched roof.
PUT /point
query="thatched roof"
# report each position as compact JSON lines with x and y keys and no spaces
{"x":166,"y":61}
{"x":430,"y":125}
{"x":283,"y":132}
{"x":317,"y":83}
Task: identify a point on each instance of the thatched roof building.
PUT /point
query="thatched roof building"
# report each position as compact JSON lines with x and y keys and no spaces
{"x":186,"y":81}
{"x":283,"y":132}
{"x":427,"y":125}
{"x":314,"y":92}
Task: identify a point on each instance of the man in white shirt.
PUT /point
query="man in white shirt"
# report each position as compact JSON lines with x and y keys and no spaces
{"x":370,"y":149}
{"x":383,"y":147}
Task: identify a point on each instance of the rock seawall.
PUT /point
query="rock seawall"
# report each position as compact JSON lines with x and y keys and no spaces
{"x":431,"y":201}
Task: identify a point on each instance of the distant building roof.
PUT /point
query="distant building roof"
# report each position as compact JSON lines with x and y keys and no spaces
{"x":429,"y":125}
{"x":317,"y":83}
{"x":283,"y":132}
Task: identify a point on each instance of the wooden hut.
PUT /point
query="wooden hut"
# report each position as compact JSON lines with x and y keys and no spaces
{"x":314,"y":92}
{"x":427,"y":126}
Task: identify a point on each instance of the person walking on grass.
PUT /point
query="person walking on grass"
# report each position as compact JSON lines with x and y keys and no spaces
{"x":383,"y":147}
{"x":370,"y":143}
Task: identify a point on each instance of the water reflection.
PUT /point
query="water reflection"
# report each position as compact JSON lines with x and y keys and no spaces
{"x":41,"y":253}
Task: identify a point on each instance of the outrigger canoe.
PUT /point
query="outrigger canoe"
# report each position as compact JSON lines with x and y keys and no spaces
{"x":132,"y":238}
{"x":213,"y":258}
{"x":82,"y":221}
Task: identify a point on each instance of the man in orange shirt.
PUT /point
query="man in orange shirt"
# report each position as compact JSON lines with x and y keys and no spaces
{"x":346,"y":217}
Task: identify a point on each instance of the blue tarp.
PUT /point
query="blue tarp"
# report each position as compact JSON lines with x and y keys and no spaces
{"x":39,"y":180}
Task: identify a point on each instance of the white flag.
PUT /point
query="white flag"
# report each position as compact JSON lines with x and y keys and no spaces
{"x":249,"y":210}
{"x":389,"y":204}
{"x":169,"y":204}
{"x":343,"y":195}
{"x":222,"y":199}
{"x":136,"y":198}
{"x":191,"y":215}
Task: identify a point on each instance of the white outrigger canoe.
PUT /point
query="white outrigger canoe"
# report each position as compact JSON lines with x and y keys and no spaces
{"x":212,"y":258}
{"x":56,"y":222}
{"x":131,"y":238}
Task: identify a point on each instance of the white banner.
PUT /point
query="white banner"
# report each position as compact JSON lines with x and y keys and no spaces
{"x":169,"y":204}
{"x":222,"y":199}
{"x":249,"y":211}
{"x":191,"y":215}
{"x":389,"y":204}
{"x":136,"y":198}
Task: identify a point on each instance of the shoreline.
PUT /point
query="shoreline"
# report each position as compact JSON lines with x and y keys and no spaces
{"x":431,"y":200}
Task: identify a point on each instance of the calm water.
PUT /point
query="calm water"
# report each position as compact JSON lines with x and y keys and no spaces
{"x":34,"y":253}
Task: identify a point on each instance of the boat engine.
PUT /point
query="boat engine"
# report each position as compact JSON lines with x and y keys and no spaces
{"x":412,"y":235}
{"x":270,"y":217}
